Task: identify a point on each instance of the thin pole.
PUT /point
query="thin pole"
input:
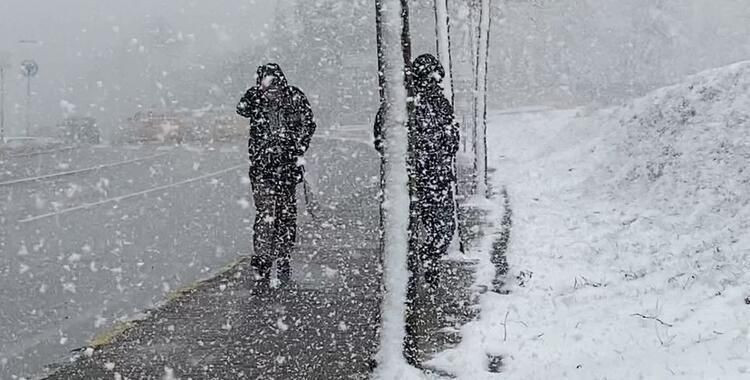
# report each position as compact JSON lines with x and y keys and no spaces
{"x":473,"y":31}
{"x":381,"y":57}
{"x":484,"y":92}
{"x":480,"y":156}
{"x":450,"y":57}
{"x":28,"y":106}
{"x":405,"y":32}
{"x":443,"y":45}
{"x":2,"y":105}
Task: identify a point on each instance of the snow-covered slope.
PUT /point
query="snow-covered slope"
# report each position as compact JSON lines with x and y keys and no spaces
{"x":631,"y":237}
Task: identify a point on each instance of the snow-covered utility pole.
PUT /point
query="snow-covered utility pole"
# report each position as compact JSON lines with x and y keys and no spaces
{"x":442,"y":31}
{"x":395,"y":206}
{"x":480,"y":111}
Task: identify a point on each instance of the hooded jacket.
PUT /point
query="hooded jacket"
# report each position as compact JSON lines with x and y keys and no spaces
{"x":433,"y":132}
{"x":281,"y":126}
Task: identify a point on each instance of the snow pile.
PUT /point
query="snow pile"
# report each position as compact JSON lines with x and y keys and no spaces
{"x":682,"y":169}
{"x":629,"y":254}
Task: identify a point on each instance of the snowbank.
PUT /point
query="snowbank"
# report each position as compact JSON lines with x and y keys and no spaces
{"x":629,"y":252}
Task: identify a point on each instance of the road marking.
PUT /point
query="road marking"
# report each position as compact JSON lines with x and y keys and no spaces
{"x":132,"y":195}
{"x":79,"y":171}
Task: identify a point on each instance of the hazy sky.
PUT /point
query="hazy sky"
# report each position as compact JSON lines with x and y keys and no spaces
{"x":72,"y":33}
{"x":75,"y":25}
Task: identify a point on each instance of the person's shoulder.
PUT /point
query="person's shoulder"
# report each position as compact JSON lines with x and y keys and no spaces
{"x":252,"y":92}
{"x":298,"y":97}
{"x":297,"y":93}
{"x":440,"y":101}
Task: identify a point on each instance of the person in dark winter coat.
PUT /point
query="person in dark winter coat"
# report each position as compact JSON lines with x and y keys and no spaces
{"x":433,"y":144}
{"x":281,"y":128}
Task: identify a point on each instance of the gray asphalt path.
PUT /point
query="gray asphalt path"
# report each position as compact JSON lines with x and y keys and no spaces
{"x":324,"y":327}
{"x":82,"y":250}
{"x":80,"y":259}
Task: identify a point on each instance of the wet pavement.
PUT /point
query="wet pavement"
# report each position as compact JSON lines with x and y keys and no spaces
{"x":323,"y":327}
{"x":86,"y":242}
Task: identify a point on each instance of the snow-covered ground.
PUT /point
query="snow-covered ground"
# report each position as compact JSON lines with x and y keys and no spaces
{"x":630,"y":253}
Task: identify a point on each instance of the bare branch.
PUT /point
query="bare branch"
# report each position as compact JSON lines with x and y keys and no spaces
{"x":652,"y":318}
{"x":505,"y":326}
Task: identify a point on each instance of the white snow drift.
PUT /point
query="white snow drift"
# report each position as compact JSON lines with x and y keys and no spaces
{"x":630,"y":249}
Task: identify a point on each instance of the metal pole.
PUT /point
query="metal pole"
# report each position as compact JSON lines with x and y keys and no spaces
{"x":28,"y":106}
{"x":405,"y":32}
{"x":442,"y":36}
{"x":480,"y":137}
{"x":381,"y":57}
{"x":2,"y":105}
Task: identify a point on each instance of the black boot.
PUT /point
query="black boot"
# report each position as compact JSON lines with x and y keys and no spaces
{"x":284,"y":272}
{"x":261,"y":274}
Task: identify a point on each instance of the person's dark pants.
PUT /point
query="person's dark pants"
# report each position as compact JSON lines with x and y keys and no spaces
{"x":275,"y":229}
{"x":431,"y":228}
{"x":433,"y":214}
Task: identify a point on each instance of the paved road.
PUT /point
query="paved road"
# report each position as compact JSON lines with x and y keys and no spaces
{"x":95,"y":234}
{"x":82,"y":255}
{"x":324,"y":327}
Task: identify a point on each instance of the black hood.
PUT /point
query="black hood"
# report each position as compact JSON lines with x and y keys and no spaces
{"x":271,"y":69}
{"x":427,"y":70}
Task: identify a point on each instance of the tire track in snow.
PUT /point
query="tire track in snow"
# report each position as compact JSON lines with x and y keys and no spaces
{"x":39,"y":153}
{"x":131,"y":195}
{"x":498,"y":257}
{"x":500,"y":244}
{"x":79,"y":171}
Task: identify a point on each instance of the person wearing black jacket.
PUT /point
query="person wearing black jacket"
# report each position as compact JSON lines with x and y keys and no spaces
{"x":433,"y":144}
{"x":281,"y":128}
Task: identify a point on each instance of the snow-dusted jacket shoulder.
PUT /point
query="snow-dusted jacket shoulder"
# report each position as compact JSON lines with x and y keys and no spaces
{"x":433,"y":138}
{"x":280,"y":131}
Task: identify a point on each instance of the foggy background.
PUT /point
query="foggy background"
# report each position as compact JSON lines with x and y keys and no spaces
{"x":109,"y":59}
{"x":112,"y":59}
{"x":153,"y":215}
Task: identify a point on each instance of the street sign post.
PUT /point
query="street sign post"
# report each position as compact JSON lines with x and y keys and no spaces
{"x":29,"y":69}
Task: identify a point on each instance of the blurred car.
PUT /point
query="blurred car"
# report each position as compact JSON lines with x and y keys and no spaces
{"x":218,"y":125}
{"x":185,"y":125}
{"x":78,"y":129}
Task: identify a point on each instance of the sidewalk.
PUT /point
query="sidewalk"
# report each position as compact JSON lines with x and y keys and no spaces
{"x":325,"y":327}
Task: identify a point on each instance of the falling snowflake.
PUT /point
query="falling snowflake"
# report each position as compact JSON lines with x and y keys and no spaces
{"x":244,"y":203}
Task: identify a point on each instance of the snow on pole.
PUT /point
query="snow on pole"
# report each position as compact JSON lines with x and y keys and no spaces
{"x":405,"y":32}
{"x":473,"y":25}
{"x":442,"y":34}
{"x":379,"y":41}
{"x":480,"y":157}
{"x":442,"y":28}
{"x":395,"y":206}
